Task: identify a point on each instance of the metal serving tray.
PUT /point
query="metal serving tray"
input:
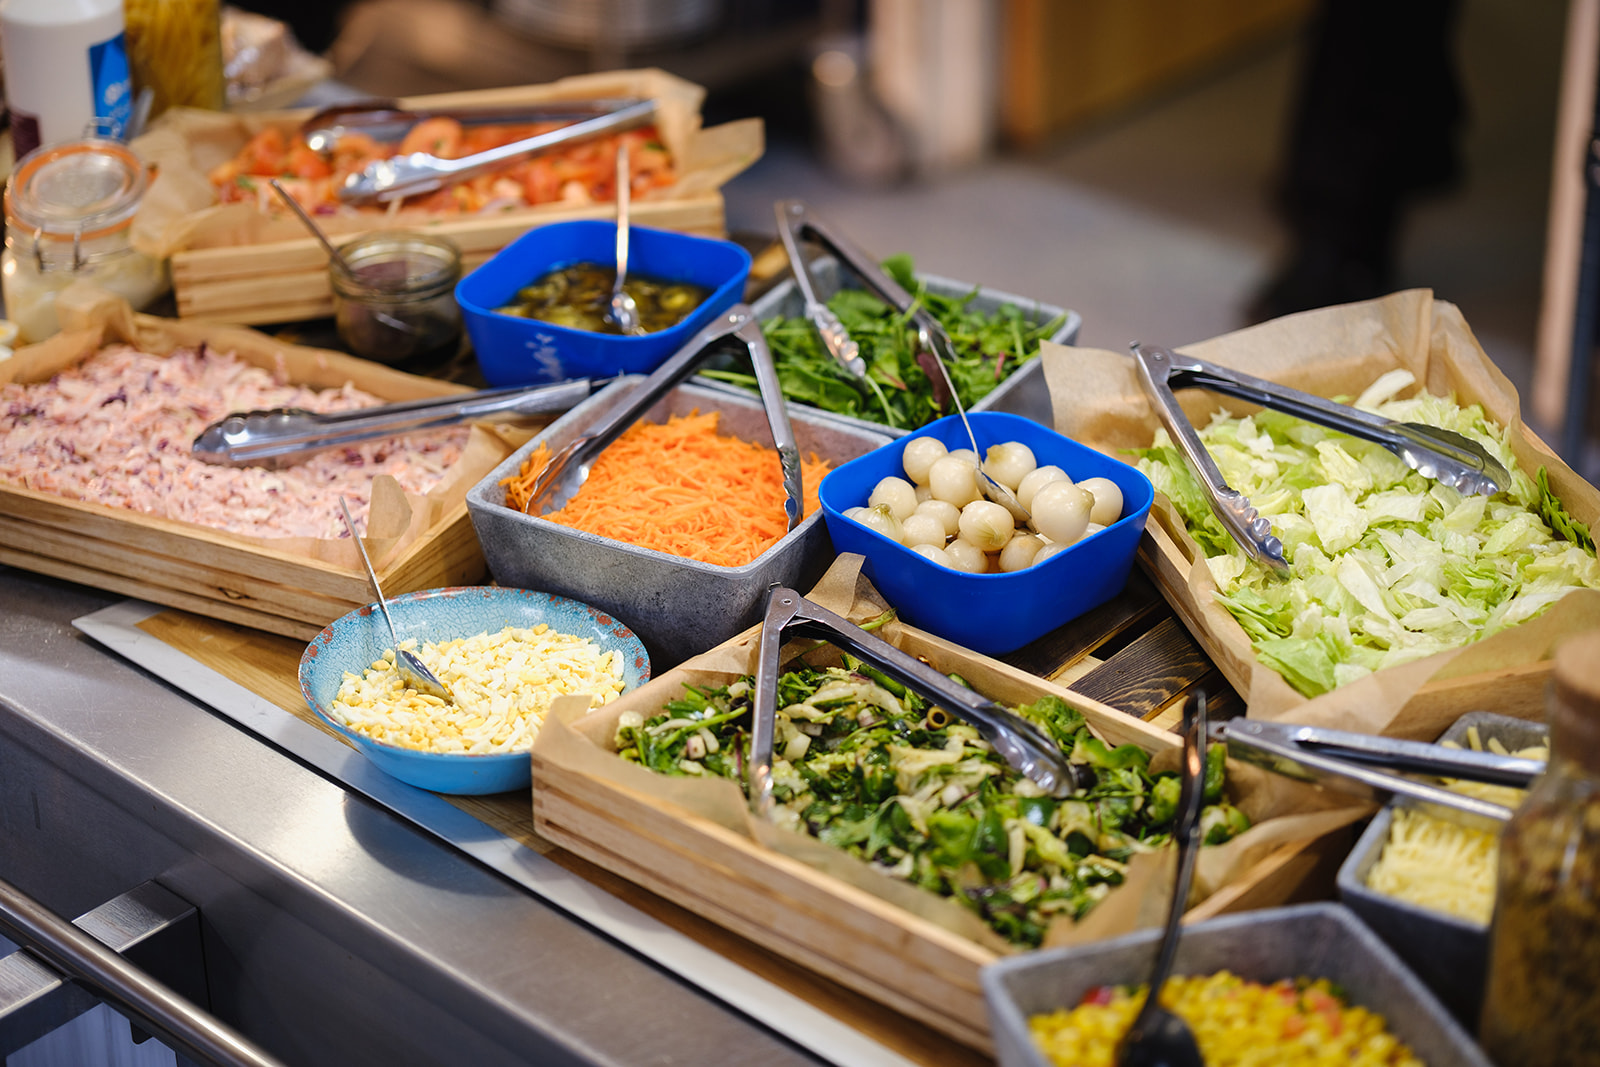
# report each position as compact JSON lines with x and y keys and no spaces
{"x":1450,"y":954}
{"x":678,"y":607}
{"x":1024,"y":393}
{"x":1308,"y":940}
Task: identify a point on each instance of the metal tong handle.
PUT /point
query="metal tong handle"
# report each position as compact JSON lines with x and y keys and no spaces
{"x":1259,"y":743}
{"x":1440,"y":454}
{"x":1392,"y":753}
{"x":737,"y":323}
{"x":286,"y":435}
{"x":385,"y":120}
{"x":795,"y":220}
{"x":1238,"y":516}
{"x":419,"y":172}
{"x":1019,"y":742}
{"x":792,"y":222}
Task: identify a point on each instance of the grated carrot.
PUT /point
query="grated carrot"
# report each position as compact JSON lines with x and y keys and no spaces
{"x":679,"y":487}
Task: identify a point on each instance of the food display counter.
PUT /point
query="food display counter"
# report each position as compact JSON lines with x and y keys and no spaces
{"x":743,"y":753}
{"x":333,"y":931}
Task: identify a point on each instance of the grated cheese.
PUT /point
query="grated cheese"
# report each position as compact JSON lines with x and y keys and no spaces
{"x":1441,"y":865}
{"x":503,"y":685}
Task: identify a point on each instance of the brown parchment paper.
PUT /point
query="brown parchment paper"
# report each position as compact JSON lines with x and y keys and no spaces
{"x":180,"y":209}
{"x":1335,"y":352}
{"x":92,"y":318}
{"x":1285,"y":812}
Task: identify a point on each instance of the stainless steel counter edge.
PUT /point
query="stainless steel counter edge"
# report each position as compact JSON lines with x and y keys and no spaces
{"x":334,"y":931}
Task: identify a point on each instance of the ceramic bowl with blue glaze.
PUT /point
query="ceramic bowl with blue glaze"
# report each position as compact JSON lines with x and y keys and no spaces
{"x":355,"y":641}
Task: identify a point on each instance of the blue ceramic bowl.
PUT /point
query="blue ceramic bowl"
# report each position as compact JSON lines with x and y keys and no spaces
{"x":353,"y":642}
{"x":512,"y":350}
{"x":991,"y":613}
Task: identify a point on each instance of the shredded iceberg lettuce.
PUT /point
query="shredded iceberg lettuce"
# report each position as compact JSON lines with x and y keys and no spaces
{"x":1386,"y":566}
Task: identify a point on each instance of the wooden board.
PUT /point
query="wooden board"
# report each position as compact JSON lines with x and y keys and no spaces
{"x":287,"y":281}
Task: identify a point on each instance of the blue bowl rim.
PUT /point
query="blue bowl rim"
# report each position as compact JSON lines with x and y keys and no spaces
{"x":469,"y":303}
{"x":456,"y":758}
{"x":1138,"y":513}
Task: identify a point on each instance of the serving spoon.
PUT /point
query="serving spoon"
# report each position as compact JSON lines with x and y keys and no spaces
{"x":412,"y":670}
{"x":624,"y":312}
{"x":1159,"y":1038}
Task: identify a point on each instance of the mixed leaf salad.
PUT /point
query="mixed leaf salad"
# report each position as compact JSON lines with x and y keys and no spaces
{"x":865,"y":765}
{"x":897,"y":390}
{"x":1386,"y":566}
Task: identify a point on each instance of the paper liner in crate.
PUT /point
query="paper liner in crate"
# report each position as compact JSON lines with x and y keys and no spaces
{"x":1337,"y":351}
{"x":290,"y":585}
{"x":236,"y":263}
{"x":695,"y":842}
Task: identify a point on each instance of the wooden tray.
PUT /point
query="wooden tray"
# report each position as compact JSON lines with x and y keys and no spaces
{"x":207,"y":571}
{"x":232,"y":264}
{"x":855,"y":938}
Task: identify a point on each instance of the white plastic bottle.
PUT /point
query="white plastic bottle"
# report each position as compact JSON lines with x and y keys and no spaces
{"x":66,"y":70}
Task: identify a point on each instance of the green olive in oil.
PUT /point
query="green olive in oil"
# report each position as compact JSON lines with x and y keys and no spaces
{"x":579,"y":298}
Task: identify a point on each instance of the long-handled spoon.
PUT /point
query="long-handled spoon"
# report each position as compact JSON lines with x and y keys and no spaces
{"x":333,"y":251}
{"x":1158,"y":1038}
{"x":411,"y":668}
{"x":624,"y":312}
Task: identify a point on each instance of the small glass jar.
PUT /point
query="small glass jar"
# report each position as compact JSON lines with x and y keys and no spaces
{"x":1542,"y":1004}
{"x":394,"y":297}
{"x":69,"y":212}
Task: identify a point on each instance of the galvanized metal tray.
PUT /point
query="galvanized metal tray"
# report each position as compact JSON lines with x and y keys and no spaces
{"x":1308,"y":940}
{"x":1450,"y":954}
{"x":1024,"y":393}
{"x":678,"y":607}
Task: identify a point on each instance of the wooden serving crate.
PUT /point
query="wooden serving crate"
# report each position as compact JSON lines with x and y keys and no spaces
{"x":294,"y":592}
{"x":1338,"y":352}
{"x":232,"y":263}
{"x":854,"y":937}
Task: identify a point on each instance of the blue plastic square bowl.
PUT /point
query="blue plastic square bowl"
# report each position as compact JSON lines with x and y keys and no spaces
{"x":512,"y":350}
{"x":991,"y":613}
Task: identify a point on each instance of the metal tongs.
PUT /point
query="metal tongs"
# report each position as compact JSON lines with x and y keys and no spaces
{"x":569,"y":468}
{"x":279,"y":437}
{"x":795,"y":221}
{"x":1019,"y":742}
{"x":387,"y":120}
{"x":421,"y":172}
{"x":1440,"y":454}
{"x":1359,"y":764}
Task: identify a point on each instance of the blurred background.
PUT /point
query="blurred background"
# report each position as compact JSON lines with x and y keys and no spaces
{"x":1138,"y":161}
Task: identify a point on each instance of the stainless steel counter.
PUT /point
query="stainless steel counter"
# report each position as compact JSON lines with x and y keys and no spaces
{"x":334,"y":932}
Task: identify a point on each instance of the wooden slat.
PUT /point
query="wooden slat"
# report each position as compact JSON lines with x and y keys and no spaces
{"x":287,"y":281}
{"x":801,"y":928}
{"x":157,"y":594}
{"x":1051,"y":655}
{"x":1154,"y":668}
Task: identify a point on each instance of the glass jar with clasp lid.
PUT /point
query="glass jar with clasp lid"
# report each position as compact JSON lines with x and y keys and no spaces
{"x":69,"y":215}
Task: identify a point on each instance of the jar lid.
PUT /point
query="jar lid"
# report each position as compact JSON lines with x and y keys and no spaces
{"x":79,"y":189}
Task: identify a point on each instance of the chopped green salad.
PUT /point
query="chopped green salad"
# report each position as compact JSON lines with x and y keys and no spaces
{"x":1386,"y":566}
{"x":865,"y":765}
{"x":897,"y":391}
